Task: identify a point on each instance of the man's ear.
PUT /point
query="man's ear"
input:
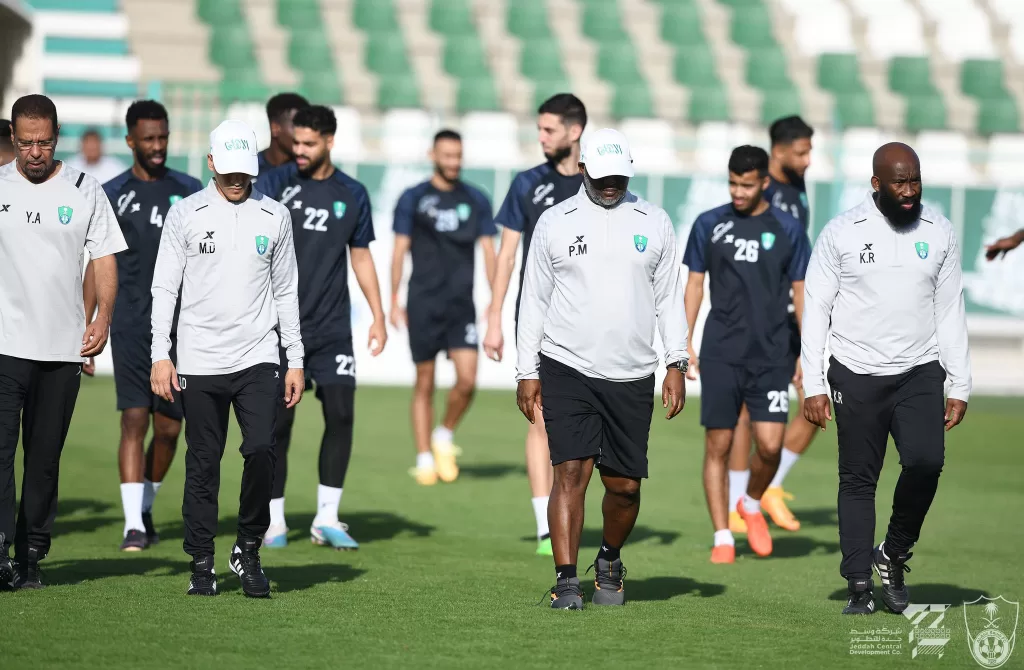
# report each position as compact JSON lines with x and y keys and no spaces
{"x":875,"y":184}
{"x":575,"y":132}
{"x":209,"y":162}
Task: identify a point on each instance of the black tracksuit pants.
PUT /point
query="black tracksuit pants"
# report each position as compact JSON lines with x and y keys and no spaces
{"x":911,"y":408}
{"x":38,"y":397}
{"x":255,"y":394}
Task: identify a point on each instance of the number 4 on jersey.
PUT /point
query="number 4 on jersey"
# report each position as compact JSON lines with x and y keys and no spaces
{"x":155,"y":218}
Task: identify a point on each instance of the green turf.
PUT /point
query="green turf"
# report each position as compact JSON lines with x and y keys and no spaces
{"x":446,"y":576}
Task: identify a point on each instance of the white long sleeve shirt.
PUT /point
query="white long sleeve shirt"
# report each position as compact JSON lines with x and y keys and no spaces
{"x":235,"y":265}
{"x":893,"y":296}
{"x":597,"y":283}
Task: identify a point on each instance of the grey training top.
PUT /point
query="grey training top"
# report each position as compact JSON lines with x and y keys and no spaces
{"x":596,"y":281}
{"x":894,"y":297}
{"x":45,"y":230}
{"x":235,"y":265}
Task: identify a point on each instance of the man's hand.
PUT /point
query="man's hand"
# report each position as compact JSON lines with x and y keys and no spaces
{"x":95,"y":337}
{"x":89,"y":367}
{"x":798,"y":375}
{"x":693,"y":371}
{"x":673,"y":392}
{"x":398,"y":316}
{"x":378,"y":337}
{"x":162,"y":377}
{"x":294,"y":384}
{"x":1001,"y":246}
{"x":528,"y":398}
{"x":494,"y":340}
{"x":955,"y":411}
{"x":817,"y":410}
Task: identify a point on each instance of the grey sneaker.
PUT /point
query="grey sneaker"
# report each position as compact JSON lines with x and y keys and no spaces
{"x":608,"y":577}
{"x":567,"y":595}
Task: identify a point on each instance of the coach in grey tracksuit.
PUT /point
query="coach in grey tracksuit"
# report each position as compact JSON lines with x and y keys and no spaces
{"x":229,"y":248}
{"x":603,"y":272}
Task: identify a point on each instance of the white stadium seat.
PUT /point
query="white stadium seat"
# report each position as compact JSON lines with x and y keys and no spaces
{"x":822,"y":26}
{"x":1006,"y":159}
{"x":715,"y":142}
{"x":254,"y":114}
{"x":965,"y":35}
{"x":945,"y":158}
{"x":1010,"y":11}
{"x":490,"y":139}
{"x":406,"y":135}
{"x":652,"y":143}
{"x":858,"y":147}
{"x":348,"y":141}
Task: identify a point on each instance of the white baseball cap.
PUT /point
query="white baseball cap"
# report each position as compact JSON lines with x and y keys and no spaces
{"x":606,"y":152}
{"x":233,"y":146}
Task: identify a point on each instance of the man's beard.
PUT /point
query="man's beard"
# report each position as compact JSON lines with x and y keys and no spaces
{"x":313,"y":166}
{"x":559,"y":155}
{"x":150,"y":169}
{"x":795,"y":180}
{"x":891,"y":209}
{"x":597,"y":198}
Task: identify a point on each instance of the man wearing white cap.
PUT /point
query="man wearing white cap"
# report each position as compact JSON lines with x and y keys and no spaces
{"x":229,"y":248}
{"x":602,"y":272}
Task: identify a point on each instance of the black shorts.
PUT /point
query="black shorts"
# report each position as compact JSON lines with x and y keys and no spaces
{"x":725,"y":388}
{"x":794,"y":341}
{"x":133,"y":362}
{"x":436,"y":326}
{"x":596,"y":418}
{"x":327,"y":364}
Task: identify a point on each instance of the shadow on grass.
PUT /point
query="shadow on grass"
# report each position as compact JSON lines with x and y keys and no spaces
{"x":89,"y":569}
{"x":795,"y":546}
{"x":822,"y":516}
{"x":666,"y":588}
{"x":365,"y":527}
{"x":947,"y":594}
{"x":78,"y":515}
{"x":287,"y":578}
{"x":491,"y":470}
{"x":592,"y":537}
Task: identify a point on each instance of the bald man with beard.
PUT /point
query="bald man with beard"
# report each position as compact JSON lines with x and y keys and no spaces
{"x":884,"y":288}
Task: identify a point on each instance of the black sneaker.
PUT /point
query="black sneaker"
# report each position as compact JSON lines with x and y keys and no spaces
{"x":135,"y":540}
{"x":567,"y":595}
{"x":246,"y":564}
{"x":608,"y":576}
{"x":204,"y":579}
{"x":152,"y":537}
{"x":6,"y":566}
{"x":861,"y":599}
{"x":895,"y":593}
{"x":29,"y":575}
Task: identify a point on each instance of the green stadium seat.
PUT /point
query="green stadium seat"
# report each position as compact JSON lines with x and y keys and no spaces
{"x":681,"y":24}
{"x":398,"y":92}
{"x":545,"y":88}
{"x":322,"y":87}
{"x":602,"y":21}
{"x":375,"y":15}
{"x":310,"y":50}
{"x":982,"y":78}
{"x":528,"y":19}
{"x":385,"y":54}
{"x":752,"y":28}
{"x":231,"y":46}
{"x":695,"y":67}
{"x":998,"y":115}
{"x":102,"y":6}
{"x":633,"y":100}
{"x":88,"y":87}
{"x":925,"y":112}
{"x":55,"y":44}
{"x":299,"y":15}
{"x":243,"y":85}
{"x":476,"y":94}
{"x":617,"y":63}
{"x":839,"y":73}
{"x":911,"y":75}
{"x":541,"y":58}
{"x":768,"y":70}
{"x":451,"y":17}
{"x":708,"y":104}
{"x":465,"y":57}
{"x":220,"y":12}
{"x":854,"y":110}
{"x":739,"y":4}
{"x":779,"y":103}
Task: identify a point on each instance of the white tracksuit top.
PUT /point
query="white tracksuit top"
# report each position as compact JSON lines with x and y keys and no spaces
{"x":235,"y":265}
{"x":597,"y":281}
{"x":893,"y":297}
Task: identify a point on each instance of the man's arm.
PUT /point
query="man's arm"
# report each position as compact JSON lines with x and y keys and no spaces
{"x":89,"y":292}
{"x":284,"y":282}
{"x":1001,"y":246}
{"x":366,"y":275}
{"x":103,"y":239}
{"x":401,"y":248}
{"x":798,"y":302}
{"x":821,"y":286}
{"x":538,"y":285}
{"x":668,"y":299}
{"x":951,"y":323}
{"x":505,"y":265}
{"x":167,"y":276}
{"x":487,"y":246}
{"x":692,"y":300}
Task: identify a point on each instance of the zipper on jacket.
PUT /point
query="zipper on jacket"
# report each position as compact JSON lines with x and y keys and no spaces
{"x":234,"y":229}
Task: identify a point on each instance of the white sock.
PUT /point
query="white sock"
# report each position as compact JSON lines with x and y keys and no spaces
{"x":442,"y":434}
{"x":327,"y":500}
{"x":785,"y":463}
{"x":131,"y":502}
{"x":149,"y":494}
{"x":751,"y":506}
{"x":540,"y":512}
{"x":425,"y":461}
{"x":277,"y":512}
{"x":724,"y":537}
{"x":738,"y":480}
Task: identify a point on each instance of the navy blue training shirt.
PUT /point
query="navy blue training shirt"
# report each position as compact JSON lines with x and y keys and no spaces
{"x":327,"y":216}
{"x":531,"y":194}
{"x":752,"y":262}
{"x":790,"y":198}
{"x":444,"y":227}
{"x":141,"y":207}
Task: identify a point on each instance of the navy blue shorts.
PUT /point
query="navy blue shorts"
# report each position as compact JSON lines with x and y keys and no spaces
{"x":435,"y":326}
{"x":133,"y":362}
{"x":725,"y":388}
{"x":794,"y":341}
{"x":327,"y":364}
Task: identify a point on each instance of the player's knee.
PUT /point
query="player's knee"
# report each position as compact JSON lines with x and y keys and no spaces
{"x":569,"y":476}
{"x":338,"y":407}
{"x":134,"y":423}
{"x":166,"y":435}
{"x":717,"y":444}
{"x":626,"y":490}
{"x":259,"y":447}
{"x":465,"y":387}
{"x":424,"y":386}
{"x":927,"y":465}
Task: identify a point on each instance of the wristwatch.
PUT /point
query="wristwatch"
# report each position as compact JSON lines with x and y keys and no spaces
{"x":681,"y":365}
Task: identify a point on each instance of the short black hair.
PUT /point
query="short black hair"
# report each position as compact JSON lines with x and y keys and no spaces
{"x":34,"y":106}
{"x":747,"y":158}
{"x":150,"y":110}
{"x":567,"y":107}
{"x":91,"y":132}
{"x":5,"y":132}
{"x":283,"y":103}
{"x":447,"y":134}
{"x":789,"y":129}
{"x":318,"y":118}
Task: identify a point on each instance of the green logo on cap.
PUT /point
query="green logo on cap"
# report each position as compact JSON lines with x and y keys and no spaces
{"x":609,"y":149}
{"x":462,"y":209}
{"x":232,"y":145}
{"x":261,"y":244}
{"x":64,"y":214}
{"x":339,"y":209}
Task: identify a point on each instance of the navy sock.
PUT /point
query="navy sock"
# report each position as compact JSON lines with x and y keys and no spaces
{"x":565,"y":571}
{"x":608,"y":552}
